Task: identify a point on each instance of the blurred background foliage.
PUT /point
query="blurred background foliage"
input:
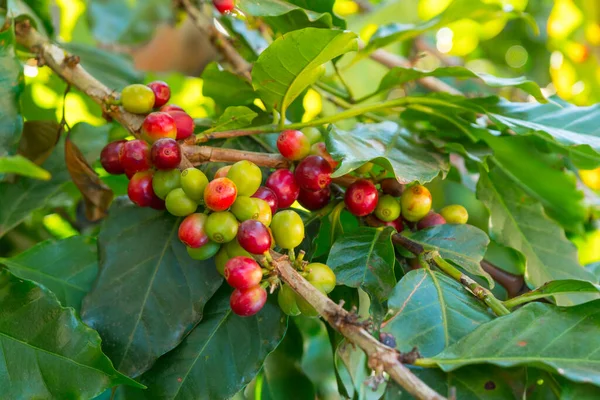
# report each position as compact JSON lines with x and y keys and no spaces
{"x":122,"y":42}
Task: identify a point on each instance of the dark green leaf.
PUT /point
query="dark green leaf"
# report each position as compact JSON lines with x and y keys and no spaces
{"x":226,"y":88}
{"x":387,"y":145}
{"x":572,"y":391}
{"x":518,"y":221}
{"x":555,"y":287}
{"x":11,"y":86}
{"x":219,"y":357}
{"x":294,"y":61}
{"x":46,"y":352}
{"x":430,"y":311}
{"x":67,"y":267}
{"x":365,"y":258}
{"x":149,"y":293}
{"x":234,"y":118}
{"x":337,"y":223}
{"x":21,"y":166}
{"x":401,"y":75}
{"x":464,"y":245}
{"x":540,"y":335}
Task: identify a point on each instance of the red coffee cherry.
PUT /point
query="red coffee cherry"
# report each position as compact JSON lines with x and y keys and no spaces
{"x":135,"y":156}
{"x":269,"y":196}
{"x":361,"y":198}
{"x":431,"y":219}
{"x":224,"y":6}
{"x":293,"y":145}
{"x":191,"y":231}
{"x":184,"y":123}
{"x":246,"y":303}
{"x":170,"y":107}
{"x":165,"y":154}
{"x":157,"y":203}
{"x":222,"y":172}
{"x":242,"y":272}
{"x":162,"y":93}
{"x":319,"y":149}
{"x":314,"y":200}
{"x":283,"y":184}
{"x":158,"y":125}
{"x":254,"y":237}
{"x":140,"y":189}
{"x":220,"y":194}
{"x":110,"y":157}
{"x":313,"y":173}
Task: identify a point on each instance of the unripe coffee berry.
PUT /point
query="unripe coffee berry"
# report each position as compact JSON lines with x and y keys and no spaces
{"x":193,"y":183}
{"x":191,"y":230}
{"x":220,"y":194}
{"x":361,"y":198}
{"x":179,"y":204}
{"x":158,"y":125}
{"x":264,"y":212}
{"x":254,"y":237}
{"x":242,"y":273}
{"x":415,"y":203}
{"x":247,"y":177}
{"x":283,"y":184}
{"x":246,"y":303}
{"x":165,"y":154}
{"x":431,"y":219}
{"x":313,"y":173}
{"x":321,"y":276}
{"x":286,"y":298}
{"x":135,"y":156}
{"x":293,"y":145}
{"x":137,"y":99}
{"x":288,"y":229}
{"x":388,"y":208}
{"x":165,"y":181}
{"x":245,"y":208}
{"x":205,"y":252}
{"x":162,"y":93}
{"x":455,"y":214}
{"x":221,"y":227}
{"x":110,"y":157}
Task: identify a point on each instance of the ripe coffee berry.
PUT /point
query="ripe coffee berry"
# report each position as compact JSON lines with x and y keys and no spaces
{"x":248,"y":302}
{"x":321,"y":276}
{"x":286,"y":298}
{"x":170,"y":107}
{"x":245,"y":208}
{"x":269,"y":196}
{"x":191,"y":230}
{"x":165,"y":181}
{"x":431,"y":219}
{"x":158,"y":125}
{"x":319,"y":149}
{"x":193,"y":183}
{"x":165,"y":154}
{"x":313,"y":173}
{"x":110,"y":157}
{"x":135,"y":156}
{"x":314,"y":200}
{"x":361,"y":198}
{"x":179,"y":204}
{"x":288,"y":229}
{"x":222,"y":172}
{"x":455,"y":214}
{"x":184,"y":124}
{"x":140,"y":189}
{"x":220,"y":194}
{"x":264,"y":212}
{"x":247,"y":177}
{"x":137,"y":99}
{"x":415,"y":202}
{"x":254,"y":237}
{"x":224,"y":6}
{"x":293,"y":145}
{"x":242,"y":273}
{"x":205,"y":252}
{"x":162,"y":93}
{"x":283,"y":184}
{"x":388,"y":208}
{"x":221,"y":227}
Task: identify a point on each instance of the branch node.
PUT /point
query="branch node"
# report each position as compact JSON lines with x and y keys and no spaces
{"x":72,"y":61}
{"x":409,"y":357}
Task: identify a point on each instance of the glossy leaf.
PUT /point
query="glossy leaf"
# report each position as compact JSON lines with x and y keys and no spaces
{"x":400,"y":75}
{"x":540,"y":335}
{"x":44,"y":346}
{"x":234,"y":118}
{"x":431,"y":311}
{"x":21,"y":166}
{"x":387,"y":145}
{"x":464,"y":245}
{"x":293,"y":62}
{"x":365,"y":258}
{"x":11,"y":86}
{"x":219,"y":357}
{"x":555,"y":287}
{"x":149,"y":293}
{"x":518,"y":221}
{"x":226,"y":88}
{"x":67,"y":267}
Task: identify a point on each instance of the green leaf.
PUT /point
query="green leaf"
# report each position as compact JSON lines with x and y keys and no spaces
{"x":219,"y":357}
{"x":19,"y":199}
{"x":234,"y":118}
{"x":351,"y":364}
{"x":226,"y":88}
{"x":365,"y":258}
{"x":387,"y":145}
{"x":67,"y":267}
{"x":518,"y":221}
{"x":553,"y":288}
{"x":293,"y":62}
{"x":571,"y":391}
{"x":477,"y":10}
{"x":149,"y":293}
{"x":431,"y":311}
{"x":337,"y":223}
{"x":21,"y":166}
{"x":539,"y":335}
{"x":286,"y":16}
{"x":401,"y":75}
{"x":46,"y":352}
{"x":114,"y":70}
{"x":11,"y":86}
{"x":464,"y":245}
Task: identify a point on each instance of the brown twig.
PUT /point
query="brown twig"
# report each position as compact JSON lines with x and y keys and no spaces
{"x":203,"y":154}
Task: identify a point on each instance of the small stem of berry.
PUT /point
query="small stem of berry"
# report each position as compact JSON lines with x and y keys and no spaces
{"x":300,"y":259}
{"x":292,"y":256}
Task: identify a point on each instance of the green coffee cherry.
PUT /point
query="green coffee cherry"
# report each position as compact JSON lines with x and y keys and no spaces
{"x":193,"y":183}
{"x":288,"y":229}
{"x":137,"y":99}
{"x":245,"y":208}
{"x":221,"y":227}
{"x":364,"y":169}
{"x":164,"y":181}
{"x":179,"y":204}
{"x":205,"y":252}
{"x":287,"y":300}
{"x":234,"y":249}
{"x":304,"y":306}
{"x":246,"y":176}
{"x":388,"y":208}
{"x":221,"y":259}
{"x":264,"y":211}
{"x":415,"y":203}
{"x":455,"y":214}
{"x":321,"y":276}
